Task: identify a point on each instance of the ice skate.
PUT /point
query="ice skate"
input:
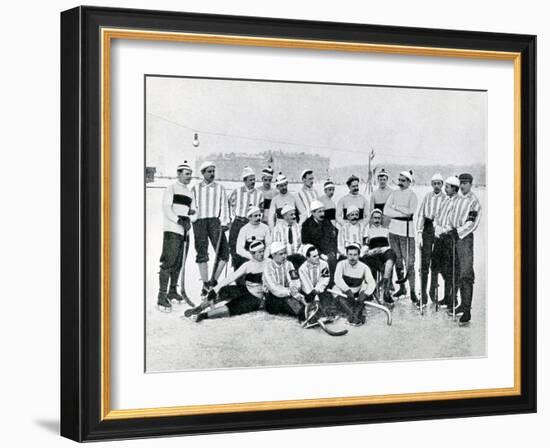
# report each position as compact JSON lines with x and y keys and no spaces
{"x":163,"y":304}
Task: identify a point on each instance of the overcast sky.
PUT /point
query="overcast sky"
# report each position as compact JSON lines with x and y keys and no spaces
{"x":416,"y":126}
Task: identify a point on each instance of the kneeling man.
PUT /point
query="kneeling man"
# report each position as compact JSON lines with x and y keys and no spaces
{"x":353,"y":279}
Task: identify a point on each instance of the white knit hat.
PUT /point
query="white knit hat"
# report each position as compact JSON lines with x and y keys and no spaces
{"x":247,"y":171}
{"x":305,"y":248}
{"x":281,"y":179}
{"x":184,"y":166}
{"x":353,"y":244}
{"x":306,"y":171}
{"x":383,"y":172}
{"x":453,"y":180}
{"x":351,"y":209}
{"x":252,"y":209}
{"x":255,"y":246}
{"x":407,"y":174}
{"x":277,"y":246}
{"x":437,"y":176}
{"x":328,"y":184}
{"x":316,"y":205}
{"x":206,"y":164}
{"x":287,"y":208}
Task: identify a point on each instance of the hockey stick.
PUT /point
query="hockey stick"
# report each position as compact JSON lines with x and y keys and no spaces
{"x":454,"y":286}
{"x":399,"y":281}
{"x":423,"y":286}
{"x":371,"y":304}
{"x":321,"y":322}
{"x":216,"y":256}
{"x":183,"y":262}
{"x":327,"y":330}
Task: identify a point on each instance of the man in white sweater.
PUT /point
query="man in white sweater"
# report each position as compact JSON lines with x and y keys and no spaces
{"x":354,"y":280}
{"x":177,"y":207}
{"x":401,"y":207}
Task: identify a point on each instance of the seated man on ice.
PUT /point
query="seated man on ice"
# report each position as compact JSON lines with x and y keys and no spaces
{"x":314,"y":278}
{"x":377,"y":253}
{"x":353,"y":285}
{"x":287,"y":231}
{"x":282,"y":284}
{"x":351,"y":231}
{"x":240,"y":299}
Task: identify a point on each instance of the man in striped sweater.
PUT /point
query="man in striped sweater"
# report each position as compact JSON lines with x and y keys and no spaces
{"x":177,"y":207}
{"x":306,"y":195}
{"x":401,"y":207}
{"x":354,"y":280}
{"x":426,"y":234}
{"x":465,"y":222}
{"x":352,"y":198}
{"x":442,"y":255}
{"x":284,"y":197}
{"x":211,"y":223}
{"x":239,"y":202}
{"x":282,"y":285}
{"x":267,"y":190}
{"x":288,"y":232}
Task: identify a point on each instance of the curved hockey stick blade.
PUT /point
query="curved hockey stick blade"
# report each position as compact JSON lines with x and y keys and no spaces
{"x":332,"y":332}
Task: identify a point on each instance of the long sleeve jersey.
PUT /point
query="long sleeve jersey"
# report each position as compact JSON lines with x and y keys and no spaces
{"x":253,"y":271}
{"x":211,"y":201}
{"x":379,"y":197}
{"x":466,"y":215}
{"x":428,"y":208}
{"x":314,"y":276}
{"x":330,"y":208}
{"x":304,"y":199}
{"x":400,"y":206}
{"x":281,"y":233}
{"x":241,"y":198}
{"x":279,"y":279}
{"x":358,"y":278}
{"x":348,"y":200}
{"x":250,"y":233}
{"x":350,"y":233}
{"x":268,"y":195}
{"x":177,"y":200}
{"x":443,"y":221}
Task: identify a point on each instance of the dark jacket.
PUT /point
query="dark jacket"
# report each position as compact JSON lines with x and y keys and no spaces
{"x":323,"y":235}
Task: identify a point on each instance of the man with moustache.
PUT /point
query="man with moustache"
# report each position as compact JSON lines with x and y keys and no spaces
{"x":283,"y":198}
{"x":240,"y":201}
{"x":212,"y":222}
{"x":350,"y":232}
{"x":328,"y":202}
{"x":177,"y":207}
{"x":252,"y":232}
{"x":352,"y":198}
{"x":426,"y":234}
{"x":318,"y":231}
{"x":401,"y":207}
{"x":465,"y":222}
{"x":288,"y":232}
{"x":380,"y":196}
{"x":306,"y":195}
{"x":267,"y":190}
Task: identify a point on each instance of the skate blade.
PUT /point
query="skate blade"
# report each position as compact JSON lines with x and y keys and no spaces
{"x":164,"y":309}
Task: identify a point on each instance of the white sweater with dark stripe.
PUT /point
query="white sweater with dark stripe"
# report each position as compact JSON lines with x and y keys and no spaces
{"x":177,"y":200}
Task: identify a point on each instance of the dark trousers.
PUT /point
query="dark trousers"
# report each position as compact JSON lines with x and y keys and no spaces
{"x":442,"y":262}
{"x":236,"y":226}
{"x":240,"y":301}
{"x":171,"y":260}
{"x":399,"y":245}
{"x":428,"y":239}
{"x":465,"y":271}
{"x":284,"y":305}
{"x":351,"y":309}
{"x":209,"y":229}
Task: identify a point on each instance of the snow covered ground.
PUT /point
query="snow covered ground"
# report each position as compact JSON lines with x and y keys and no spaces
{"x":259,"y":339}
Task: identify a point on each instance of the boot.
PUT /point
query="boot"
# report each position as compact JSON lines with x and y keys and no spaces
{"x":163,"y":303}
{"x":459,"y":310}
{"x":173,"y":294}
{"x":401,"y":291}
{"x":424,"y":286}
{"x":386,"y":294}
{"x":414,"y":298}
{"x":465,"y":319}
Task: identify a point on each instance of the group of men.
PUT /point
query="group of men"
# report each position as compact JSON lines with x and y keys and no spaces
{"x":290,"y":251}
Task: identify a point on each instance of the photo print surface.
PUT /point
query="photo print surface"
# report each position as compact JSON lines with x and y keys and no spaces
{"x":292,"y":223}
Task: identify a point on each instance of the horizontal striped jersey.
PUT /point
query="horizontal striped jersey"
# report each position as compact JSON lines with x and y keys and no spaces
{"x":466,"y":214}
{"x":428,"y":208}
{"x":379,"y":197}
{"x":280,"y":278}
{"x":350,"y":233}
{"x":377,"y":236}
{"x":291,"y":236}
{"x":276,"y":206}
{"x":250,"y":233}
{"x":304,"y":199}
{"x":346,"y":201}
{"x":177,"y":200}
{"x":357,"y":278}
{"x":211,"y":201}
{"x":253,"y":275}
{"x":268,"y":194}
{"x":241,"y":198}
{"x":314,"y":276}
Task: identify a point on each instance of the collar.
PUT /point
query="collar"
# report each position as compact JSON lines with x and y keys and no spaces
{"x":211,"y":184}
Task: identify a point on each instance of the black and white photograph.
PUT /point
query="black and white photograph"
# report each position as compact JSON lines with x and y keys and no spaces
{"x":298,"y":223}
